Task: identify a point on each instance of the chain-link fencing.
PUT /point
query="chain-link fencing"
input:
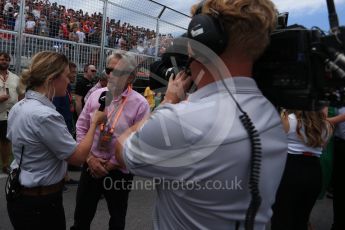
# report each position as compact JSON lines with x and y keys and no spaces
{"x":86,"y":31}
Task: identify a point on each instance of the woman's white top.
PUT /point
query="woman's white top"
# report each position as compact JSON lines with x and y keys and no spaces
{"x":295,"y":143}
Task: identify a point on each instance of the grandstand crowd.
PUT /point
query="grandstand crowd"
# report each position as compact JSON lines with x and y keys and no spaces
{"x":48,"y":19}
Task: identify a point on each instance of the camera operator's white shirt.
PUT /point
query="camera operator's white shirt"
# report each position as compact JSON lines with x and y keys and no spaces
{"x":191,"y":147}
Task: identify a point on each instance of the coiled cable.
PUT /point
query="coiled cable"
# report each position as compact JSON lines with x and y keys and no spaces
{"x":255,"y":164}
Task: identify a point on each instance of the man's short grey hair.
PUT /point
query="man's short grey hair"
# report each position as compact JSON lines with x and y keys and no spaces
{"x":128,"y":57}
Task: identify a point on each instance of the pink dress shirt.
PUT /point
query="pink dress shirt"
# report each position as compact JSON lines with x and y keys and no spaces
{"x":135,"y":109}
{"x":93,"y":89}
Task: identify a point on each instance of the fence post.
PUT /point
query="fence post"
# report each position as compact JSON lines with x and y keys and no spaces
{"x":78,"y":52}
{"x":104,"y":34}
{"x":157,"y":32}
{"x":20,"y":38}
{"x":157,"y":40}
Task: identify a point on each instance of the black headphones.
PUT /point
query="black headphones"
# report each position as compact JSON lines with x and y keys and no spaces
{"x":208,"y":30}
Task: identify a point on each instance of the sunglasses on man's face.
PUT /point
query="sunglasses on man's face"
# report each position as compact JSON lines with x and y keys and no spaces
{"x":108,"y":70}
{"x":93,"y":71}
{"x":116,"y":72}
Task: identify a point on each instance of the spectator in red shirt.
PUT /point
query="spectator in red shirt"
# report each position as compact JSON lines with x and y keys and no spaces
{"x":65,"y":30}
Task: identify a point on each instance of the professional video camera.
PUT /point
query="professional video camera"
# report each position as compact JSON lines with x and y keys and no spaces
{"x":302,"y":68}
{"x":173,"y":60}
{"x":299,"y":69}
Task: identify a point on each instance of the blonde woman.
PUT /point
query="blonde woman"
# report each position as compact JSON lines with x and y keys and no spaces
{"x":307,"y":132}
{"x":43,"y":145}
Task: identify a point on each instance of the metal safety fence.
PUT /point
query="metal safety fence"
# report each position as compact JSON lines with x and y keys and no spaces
{"x":86,"y":31}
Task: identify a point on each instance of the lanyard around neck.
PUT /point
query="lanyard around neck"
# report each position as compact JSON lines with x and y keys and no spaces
{"x":4,"y":77}
{"x":117,"y":114}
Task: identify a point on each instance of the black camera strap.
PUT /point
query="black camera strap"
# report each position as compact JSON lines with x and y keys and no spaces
{"x":12,"y":186}
{"x":21,"y":158}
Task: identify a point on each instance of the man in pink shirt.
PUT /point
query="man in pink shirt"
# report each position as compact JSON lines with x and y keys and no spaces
{"x":99,"y":175}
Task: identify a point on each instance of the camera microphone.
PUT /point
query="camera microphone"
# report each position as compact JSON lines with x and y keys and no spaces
{"x":337,"y":65}
{"x":339,"y":72}
{"x":338,"y":57}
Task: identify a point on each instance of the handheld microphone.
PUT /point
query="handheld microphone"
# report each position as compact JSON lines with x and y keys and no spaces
{"x":101,"y":101}
{"x":104,"y":100}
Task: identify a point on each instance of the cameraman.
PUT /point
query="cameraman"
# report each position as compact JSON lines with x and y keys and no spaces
{"x":201,"y":142}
